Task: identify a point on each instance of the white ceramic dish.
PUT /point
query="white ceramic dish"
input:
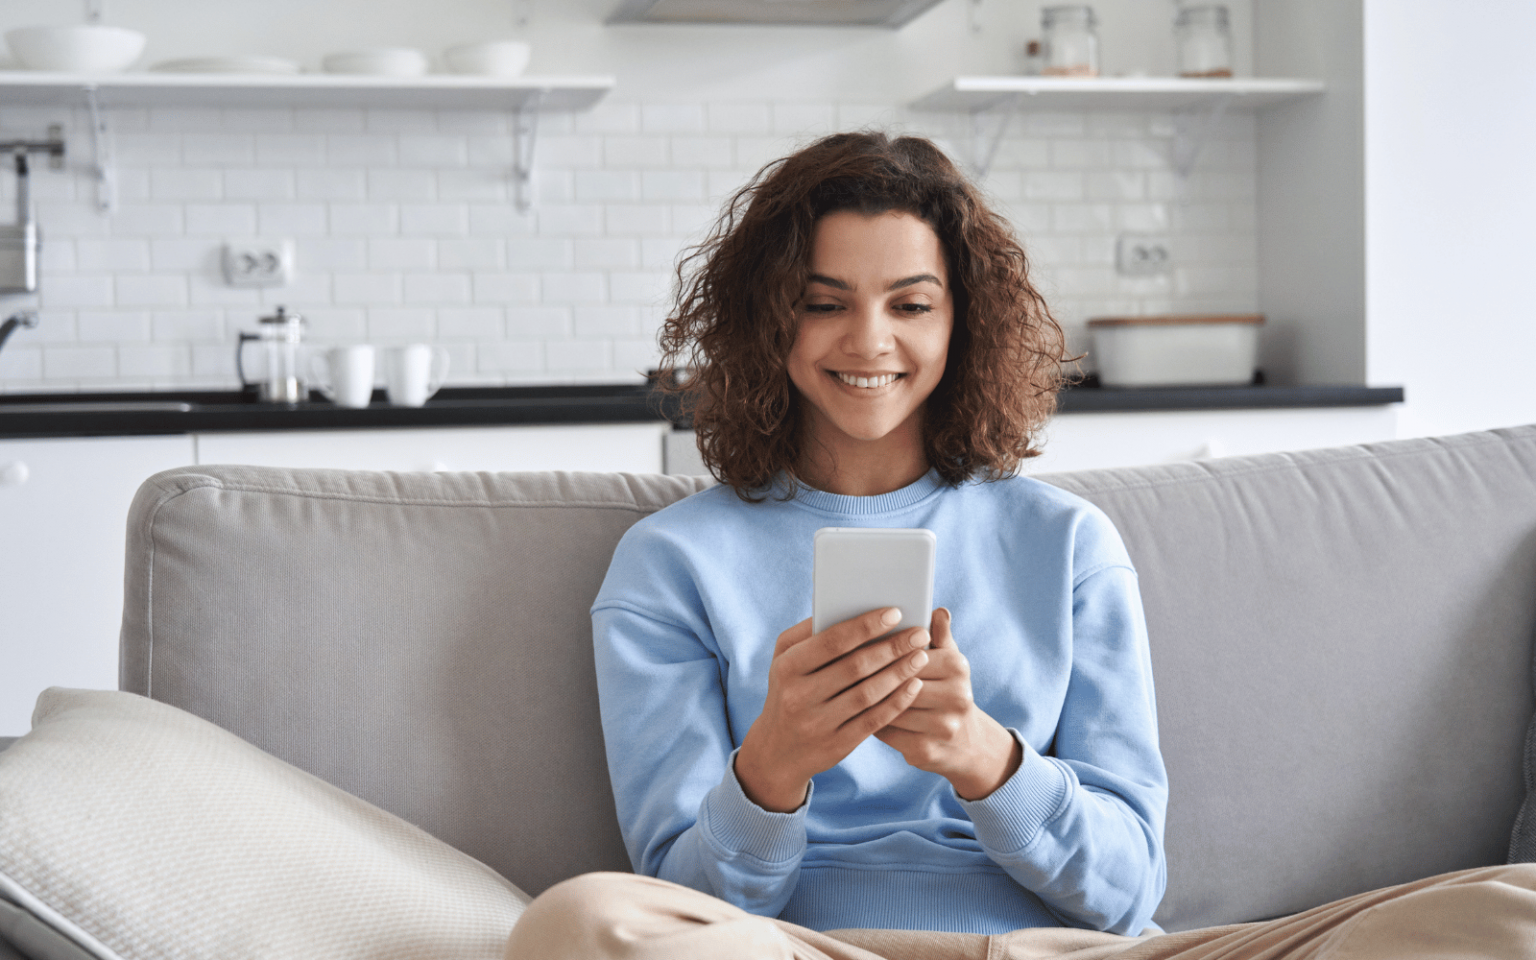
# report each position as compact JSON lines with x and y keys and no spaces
{"x":244,"y":64}
{"x":87,"y":48}
{"x":1178,"y":350}
{"x":383,"y":62}
{"x":496,"y":58}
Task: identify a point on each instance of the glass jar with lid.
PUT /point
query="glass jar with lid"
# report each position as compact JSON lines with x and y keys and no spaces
{"x":1070,"y":41}
{"x":1204,"y":37}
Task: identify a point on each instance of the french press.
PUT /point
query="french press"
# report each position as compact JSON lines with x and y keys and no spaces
{"x":281,"y":337}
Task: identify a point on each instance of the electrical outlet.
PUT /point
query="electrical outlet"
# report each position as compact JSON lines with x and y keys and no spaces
{"x":1142,"y":254}
{"x":258,"y":263}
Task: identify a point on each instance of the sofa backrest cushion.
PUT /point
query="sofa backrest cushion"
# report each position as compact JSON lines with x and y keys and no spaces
{"x":420,"y":640}
{"x":1341,"y":643}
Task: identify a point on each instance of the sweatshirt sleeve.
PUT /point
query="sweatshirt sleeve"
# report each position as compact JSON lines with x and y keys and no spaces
{"x":1083,"y":828}
{"x":670,"y":751}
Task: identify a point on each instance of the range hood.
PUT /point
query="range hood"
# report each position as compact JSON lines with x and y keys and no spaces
{"x":800,"y":13}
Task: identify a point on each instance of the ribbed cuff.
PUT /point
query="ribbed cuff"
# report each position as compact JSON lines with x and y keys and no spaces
{"x":734,"y":823}
{"x":1009,"y":818}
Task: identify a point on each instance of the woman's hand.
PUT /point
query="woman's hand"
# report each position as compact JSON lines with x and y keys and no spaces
{"x":944,"y":732}
{"x":827,"y":693}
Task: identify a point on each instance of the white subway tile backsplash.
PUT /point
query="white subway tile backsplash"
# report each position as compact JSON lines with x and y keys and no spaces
{"x":214,"y":219}
{"x":79,"y":363}
{"x":575,"y":288}
{"x":366,"y":288}
{"x":639,"y":151}
{"x":431,"y":288}
{"x":473,"y":254}
{"x":186,"y":185}
{"x":672,"y":117}
{"x":112,"y":326}
{"x":259,"y":183}
{"x":538,"y":323}
{"x":364,"y":219}
{"x":330,"y":183}
{"x":434,"y":219}
{"x":404,"y":227}
{"x":78,"y":291}
{"x":432,"y":150}
{"x":93,"y":255}
{"x":401,"y":253}
{"x":754,"y":119}
{"x":507,"y":288}
{"x":401,"y":323}
{"x":150,"y":290}
{"x":479,"y":324}
{"x":292,"y":219}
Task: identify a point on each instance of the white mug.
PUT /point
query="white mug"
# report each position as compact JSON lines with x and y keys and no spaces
{"x":345,"y":375}
{"x":413,"y":373}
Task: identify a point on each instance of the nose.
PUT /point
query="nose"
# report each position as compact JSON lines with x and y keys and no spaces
{"x":869,"y":334}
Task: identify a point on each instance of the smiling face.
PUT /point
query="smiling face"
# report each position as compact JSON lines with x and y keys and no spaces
{"x":870,"y":346}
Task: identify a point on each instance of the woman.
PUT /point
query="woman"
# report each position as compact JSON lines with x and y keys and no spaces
{"x":866,"y":349}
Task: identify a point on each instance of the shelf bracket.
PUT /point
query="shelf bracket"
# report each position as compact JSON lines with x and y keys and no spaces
{"x":984,"y":152}
{"x":101,"y":148}
{"x":525,"y":130}
{"x":1192,"y":127}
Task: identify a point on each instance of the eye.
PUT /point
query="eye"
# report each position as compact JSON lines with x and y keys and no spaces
{"x":914,"y":309}
{"x":819,"y":307}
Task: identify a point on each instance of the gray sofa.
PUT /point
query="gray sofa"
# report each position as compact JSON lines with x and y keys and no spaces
{"x":1341,"y":642}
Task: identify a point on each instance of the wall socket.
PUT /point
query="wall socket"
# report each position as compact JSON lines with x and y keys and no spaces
{"x":258,"y":263}
{"x":1142,"y":254}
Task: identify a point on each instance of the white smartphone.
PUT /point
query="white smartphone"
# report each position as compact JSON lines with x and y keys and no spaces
{"x":859,"y":569}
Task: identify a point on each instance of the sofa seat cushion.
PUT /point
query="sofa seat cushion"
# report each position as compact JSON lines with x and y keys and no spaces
{"x":141,"y":831}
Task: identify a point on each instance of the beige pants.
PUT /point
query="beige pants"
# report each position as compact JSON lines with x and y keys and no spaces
{"x":1485,"y":913}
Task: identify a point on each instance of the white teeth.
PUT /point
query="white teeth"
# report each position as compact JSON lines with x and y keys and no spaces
{"x":867,"y":382}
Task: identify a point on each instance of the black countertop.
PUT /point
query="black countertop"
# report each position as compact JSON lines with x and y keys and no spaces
{"x":175,"y":412}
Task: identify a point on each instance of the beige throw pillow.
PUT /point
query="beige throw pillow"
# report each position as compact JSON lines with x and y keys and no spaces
{"x":142,"y":831}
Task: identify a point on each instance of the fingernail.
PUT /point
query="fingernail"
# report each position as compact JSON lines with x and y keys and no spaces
{"x":919,"y":639}
{"x":891,"y":617}
{"x":920,"y":659}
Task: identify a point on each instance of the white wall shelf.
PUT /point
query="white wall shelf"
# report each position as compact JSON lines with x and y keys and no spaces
{"x":1196,"y":104}
{"x":974,"y":94}
{"x":545,"y":94}
{"x":524,"y":97}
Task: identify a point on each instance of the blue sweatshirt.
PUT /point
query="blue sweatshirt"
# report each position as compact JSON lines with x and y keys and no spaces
{"x":1046,"y":610}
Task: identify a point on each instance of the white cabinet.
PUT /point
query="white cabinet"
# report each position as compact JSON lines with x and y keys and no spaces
{"x":1090,"y":441}
{"x":63,"y":508}
{"x":627,"y":447}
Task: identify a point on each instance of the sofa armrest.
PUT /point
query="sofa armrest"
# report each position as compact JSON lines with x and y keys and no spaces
{"x":7,"y":741}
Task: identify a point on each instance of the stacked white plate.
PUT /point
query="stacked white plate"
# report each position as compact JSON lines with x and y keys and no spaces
{"x":227,"y":65}
{"x":381,"y":62}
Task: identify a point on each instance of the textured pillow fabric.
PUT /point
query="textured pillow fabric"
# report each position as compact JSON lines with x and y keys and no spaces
{"x":1522,"y":841}
{"x":141,"y":831}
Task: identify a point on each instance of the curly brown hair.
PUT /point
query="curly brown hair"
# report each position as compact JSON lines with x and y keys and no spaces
{"x":727,"y":341}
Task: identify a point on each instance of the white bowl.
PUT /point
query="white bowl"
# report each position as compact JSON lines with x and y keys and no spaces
{"x":496,"y":58}
{"x":87,"y":48}
{"x":383,"y":62}
{"x":1177,"y":350}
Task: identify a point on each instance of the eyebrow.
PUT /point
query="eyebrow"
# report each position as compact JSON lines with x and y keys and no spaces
{"x":904,"y":282}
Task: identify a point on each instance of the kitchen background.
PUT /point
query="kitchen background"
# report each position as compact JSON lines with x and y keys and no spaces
{"x":403,"y":222}
{"x":404,"y":228}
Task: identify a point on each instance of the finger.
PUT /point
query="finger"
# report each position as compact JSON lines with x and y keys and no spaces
{"x":795,"y":634}
{"x":869,"y":659}
{"x":878,"y":717}
{"x":943,"y":636}
{"x":838,"y":639}
{"x":877,"y":689}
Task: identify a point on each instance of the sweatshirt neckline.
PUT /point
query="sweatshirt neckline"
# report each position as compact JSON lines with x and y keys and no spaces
{"x":811,"y":498}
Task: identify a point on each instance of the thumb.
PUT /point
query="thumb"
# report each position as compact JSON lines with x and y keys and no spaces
{"x":940,"y":628}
